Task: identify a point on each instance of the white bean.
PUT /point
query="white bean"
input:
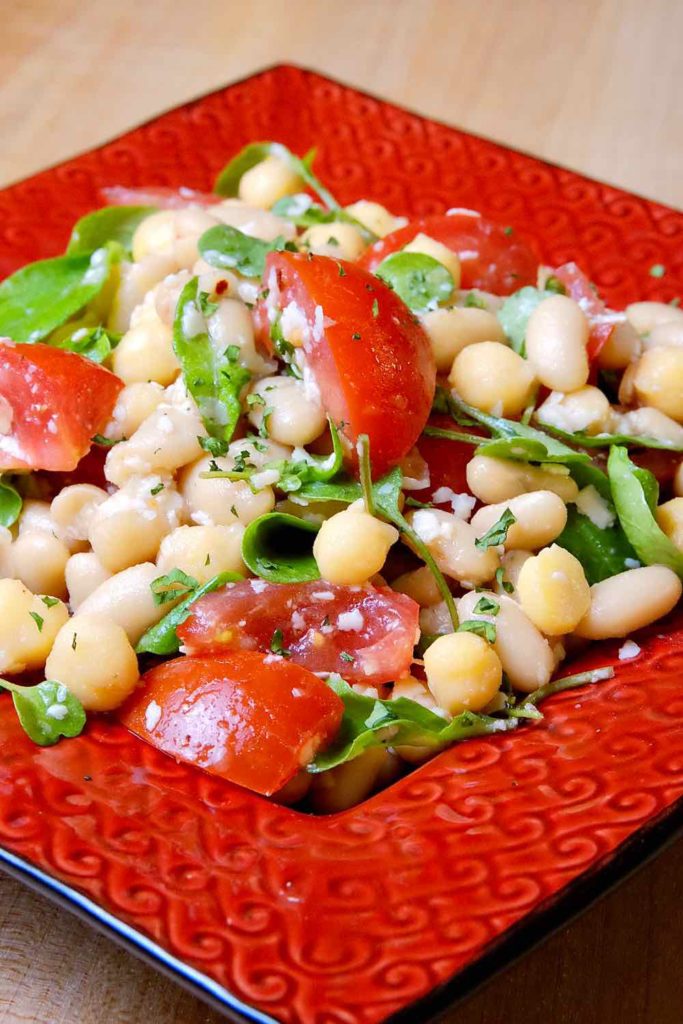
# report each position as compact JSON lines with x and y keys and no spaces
{"x":556,"y":338}
{"x":127,"y":598}
{"x":453,"y":329}
{"x":129,"y":526}
{"x":541,"y":516}
{"x":451,"y":541}
{"x":84,"y":573}
{"x":645,"y":316}
{"x":495,"y":480}
{"x":294,"y":415}
{"x":628,"y":601}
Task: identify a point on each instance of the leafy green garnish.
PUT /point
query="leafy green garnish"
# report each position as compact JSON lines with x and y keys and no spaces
{"x":595,"y":675}
{"x":10,"y":503}
{"x":42,"y":296}
{"x":365,"y":472}
{"x":162,"y":638}
{"x":302,"y":211}
{"x":602,"y":551}
{"x":110,"y":224}
{"x":497,"y":534}
{"x":607,"y":440}
{"x":420,"y":280}
{"x":174,"y":584}
{"x":279,"y":548}
{"x":95,"y":343}
{"x":46,"y":711}
{"x":227,"y":183}
{"x":486,"y":630}
{"x":229,"y":249}
{"x":486,"y":606}
{"x":634,"y":491}
{"x":276,"y":644}
{"x":214,"y":380}
{"x":515,"y":312}
{"x":502,"y":582}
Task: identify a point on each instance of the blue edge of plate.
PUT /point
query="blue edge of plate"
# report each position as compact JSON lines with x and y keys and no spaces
{"x":535,"y":928}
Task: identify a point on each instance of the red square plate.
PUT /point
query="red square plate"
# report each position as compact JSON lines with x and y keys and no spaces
{"x":397,"y":906}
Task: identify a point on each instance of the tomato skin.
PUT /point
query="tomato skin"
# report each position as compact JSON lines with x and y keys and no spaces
{"x":580,"y":289}
{"x":59,"y":400}
{"x":244,"y":616}
{"x":381,"y":384}
{"x":447,"y":460}
{"x":244,"y":717}
{"x":490,"y":259}
{"x":157,"y":195}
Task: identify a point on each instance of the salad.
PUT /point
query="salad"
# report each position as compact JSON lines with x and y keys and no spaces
{"x":303,"y":494}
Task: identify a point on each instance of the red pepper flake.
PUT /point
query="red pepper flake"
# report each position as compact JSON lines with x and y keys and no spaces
{"x":221,"y":286}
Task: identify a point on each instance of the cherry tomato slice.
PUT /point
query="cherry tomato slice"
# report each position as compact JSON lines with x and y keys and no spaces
{"x":580,"y":289}
{"x":371,"y":359}
{"x":365,"y":634}
{"x":164,"y":198}
{"x":491,"y":258}
{"x":54,"y":402}
{"x":245,"y":717}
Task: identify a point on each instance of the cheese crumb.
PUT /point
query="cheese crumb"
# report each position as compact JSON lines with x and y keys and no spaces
{"x":152,"y":715}
{"x":593,"y":505}
{"x":350,"y":621}
{"x":628,"y":651}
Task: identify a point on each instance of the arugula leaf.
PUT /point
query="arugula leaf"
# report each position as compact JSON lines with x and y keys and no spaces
{"x":497,"y":534}
{"x":11,"y":503}
{"x":46,"y":711}
{"x":279,"y":548}
{"x":162,"y":637}
{"x":173,"y":584}
{"x":420,"y":280}
{"x":370,"y":722}
{"x":229,"y":249}
{"x":42,"y":296}
{"x":95,"y":343}
{"x":594,"y":675}
{"x":227,"y":182}
{"x":515,"y":312}
{"x":607,"y":440}
{"x":635,"y":494}
{"x":214,"y":380}
{"x":602,"y":552}
{"x":110,"y":224}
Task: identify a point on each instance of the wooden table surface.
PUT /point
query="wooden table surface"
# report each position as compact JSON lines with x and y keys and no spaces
{"x":592,"y":84}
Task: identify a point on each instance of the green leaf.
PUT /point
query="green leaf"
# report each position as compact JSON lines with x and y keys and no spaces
{"x":633,"y":494}
{"x":110,"y":224}
{"x":227,"y":182}
{"x":515,"y":312}
{"x":608,"y":440}
{"x":369,"y":722}
{"x":95,"y":343}
{"x":42,"y":296}
{"x":11,"y":503}
{"x":46,"y":711}
{"x":300,"y":209}
{"x":603,"y":552}
{"x":162,"y":638}
{"x":595,"y":675}
{"x":497,"y":534}
{"x":279,"y":548}
{"x":214,"y":380}
{"x":420,"y":280}
{"x":229,"y":249}
{"x":174,"y":584}
{"x":486,"y":630}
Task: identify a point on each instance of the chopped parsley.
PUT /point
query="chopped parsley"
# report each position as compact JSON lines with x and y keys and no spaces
{"x":502,"y":582}
{"x":157,"y":489}
{"x":498,"y":532}
{"x":375,"y":308}
{"x":345,"y":656}
{"x":38,"y":619}
{"x":49,"y":602}
{"x":276,"y":644}
{"x":486,"y":630}
{"x":486,"y":606}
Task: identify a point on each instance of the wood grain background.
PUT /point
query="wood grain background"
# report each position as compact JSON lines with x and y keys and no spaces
{"x":595,"y":85}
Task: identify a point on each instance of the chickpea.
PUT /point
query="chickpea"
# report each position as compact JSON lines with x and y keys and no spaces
{"x":541,"y":517}
{"x":526,"y":656}
{"x":129,"y":526}
{"x":493,"y":378}
{"x":556,"y":338}
{"x":463,"y":672}
{"x":451,"y":541}
{"x":648,"y":422}
{"x":72,"y":511}
{"x":658,"y":380}
{"x":374,"y":217}
{"x":339,"y":240}
{"x":349,"y":783}
{"x":94,"y":659}
{"x":39,"y":560}
{"x":266,"y":182}
{"x":202,"y":551}
{"x":28,"y":627}
{"x":145,"y":353}
{"x":135,"y":403}
{"x":453,"y":329}
{"x":495,"y":480}
{"x":352,"y":546}
{"x":294,"y":415}
{"x":586,"y":410}
{"x":628,"y":601}
{"x":667,"y":335}
{"x":553,"y":591}
{"x":84,"y":573}
{"x":127,"y":598}
{"x":438,"y":251}
{"x":670,"y":519}
{"x":420,"y":585}
{"x":220,"y":501}
{"x":645,"y":316}
{"x":622,"y":347}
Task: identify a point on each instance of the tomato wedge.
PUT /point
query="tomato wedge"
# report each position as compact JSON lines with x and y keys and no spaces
{"x":53,"y":403}
{"x":490,"y":257}
{"x":365,"y":634}
{"x":371,"y":359}
{"x":244,"y":717}
{"x":579,"y":288}
{"x":164,"y":198}
{"x":447,"y":460}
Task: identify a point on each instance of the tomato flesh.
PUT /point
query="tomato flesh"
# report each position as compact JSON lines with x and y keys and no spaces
{"x":160,"y":196}
{"x":371,"y":359}
{"x":580,"y":289}
{"x":56,"y":401}
{"x":365,"y":634}
{"x":243,"y":717}
{"x":490,"y":258}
